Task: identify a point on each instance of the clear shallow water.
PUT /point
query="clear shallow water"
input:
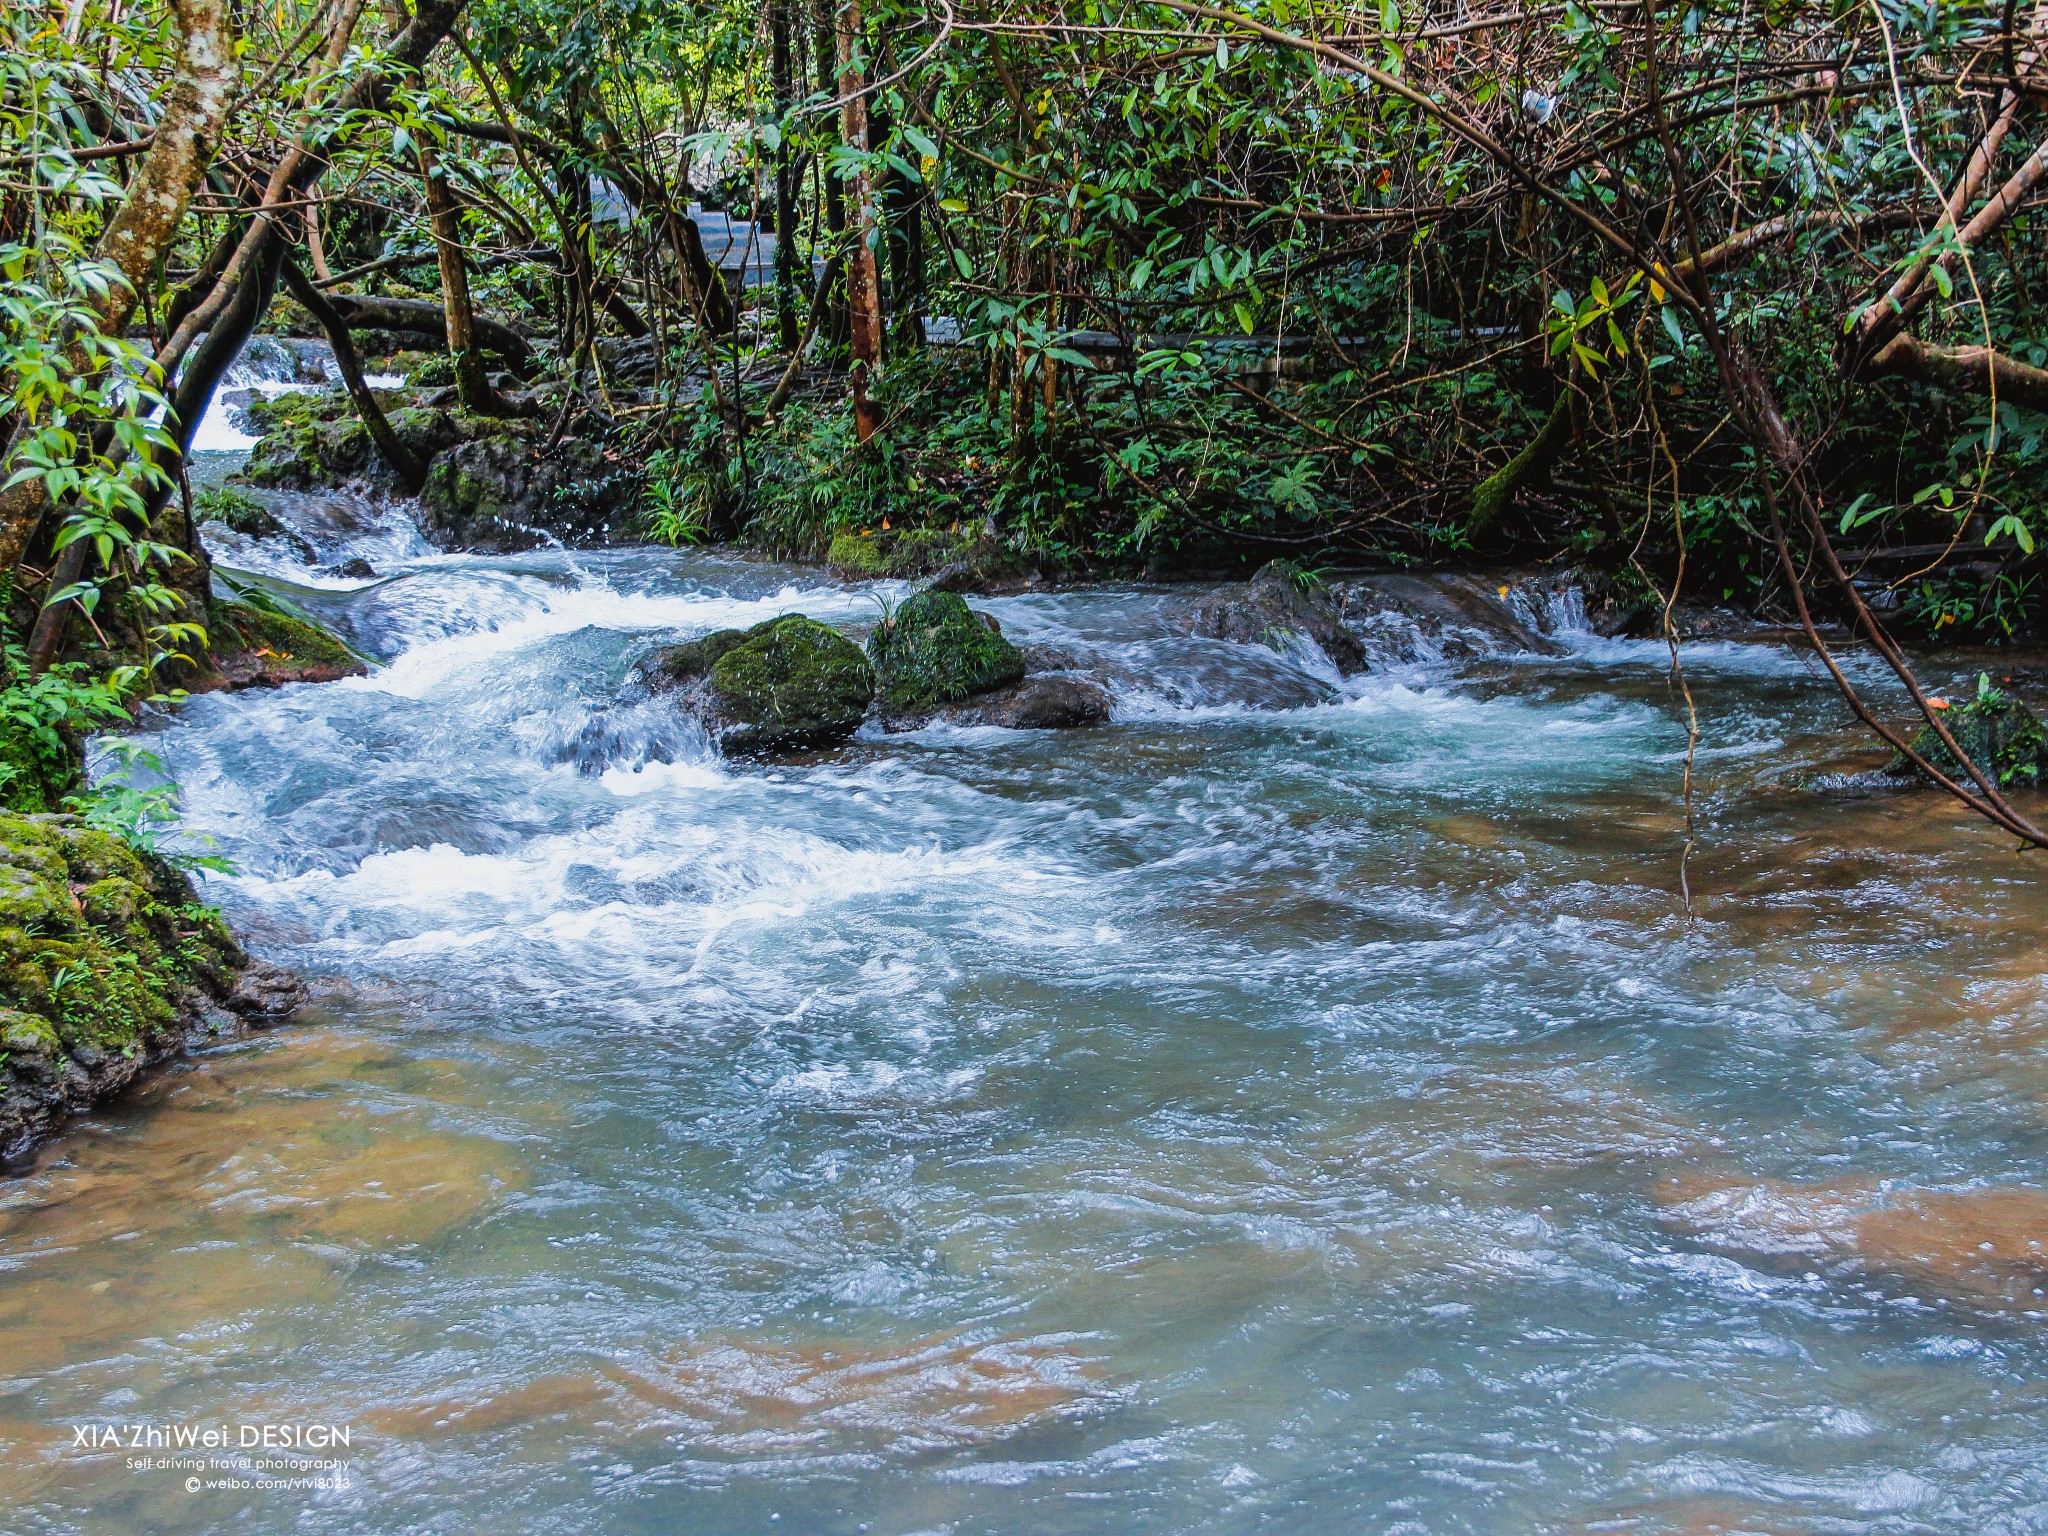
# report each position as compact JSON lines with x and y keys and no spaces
{"x":1240,"y":1118}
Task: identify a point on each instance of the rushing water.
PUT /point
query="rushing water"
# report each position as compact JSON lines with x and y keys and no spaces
{"x":1290,"y":1108}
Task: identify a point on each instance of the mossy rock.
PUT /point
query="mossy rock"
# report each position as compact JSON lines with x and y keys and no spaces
{"x":934,"y":649}
{"x":107,"y":960}
{"x":677,"y":666}
{"x":37,"y":769}
{"x":784,"y":685}
{"x":263,"y":647}
{"x":872,"y":553}
{"x":236,"y":509}
{"x":310,"y":440}
{"x":2001,"y":735}
{"x":1280,"y":603}
{"x":492,"y":491}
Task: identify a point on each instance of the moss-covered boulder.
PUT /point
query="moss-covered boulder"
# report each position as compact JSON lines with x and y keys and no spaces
{"x":497,"y":493}
{"x":1280,"y":605}
{"x":952,"y":559}
{"x":867,"y":554}
{"x":312,"y":439}
{"x":934,"y":650}
{"x":265,"y":647}
{"x":2000,"y":733}
{"x":107,"y":962}
{"x":784,"y":685}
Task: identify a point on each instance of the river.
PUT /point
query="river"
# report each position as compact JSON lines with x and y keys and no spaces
{"x":1295,"y":1107}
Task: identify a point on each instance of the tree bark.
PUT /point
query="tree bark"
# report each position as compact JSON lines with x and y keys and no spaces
{"x":423,"y":317}
{"x":863,"y":287}
{"x":782,"y":82}
{"x":396,"y":454}
{"x":444,"y":212}
{"x":143,"y":229}
{"x":1978,"y":370}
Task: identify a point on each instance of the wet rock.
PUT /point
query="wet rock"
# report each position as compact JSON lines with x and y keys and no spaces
{"x":1280,"y":602}
{"x":934,"y":650}
{"x":784,"y":685}
{"x":1049,"y":658}
{"x":266,"y":992}
{"x":2000,"y":733}
{"x":255,"y":646}
{"x":498,"y":492}
{"x":490,"y":487}
{"x":954,"y":560}
{"x":356,"y":568}
{"x":1403,"y":618}
{"x":1046,"y":702}
{"x":107,"y":963}
{"x":313,"y":440}
{"x":226,"y":506}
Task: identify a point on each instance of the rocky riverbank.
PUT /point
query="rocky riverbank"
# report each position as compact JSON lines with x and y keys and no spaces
{"x":109,"y":964}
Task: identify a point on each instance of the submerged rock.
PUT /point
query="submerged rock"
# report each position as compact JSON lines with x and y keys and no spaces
{"x":784,"y":685}
{"x":935,"y":650}
{"x":1404,"y":618}
{"x":2000,"y":733}
{"x":107,"y":963}
{"x":1280,"y":602}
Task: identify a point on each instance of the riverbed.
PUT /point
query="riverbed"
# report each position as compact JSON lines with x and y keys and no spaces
{"x":1303,"y":1104}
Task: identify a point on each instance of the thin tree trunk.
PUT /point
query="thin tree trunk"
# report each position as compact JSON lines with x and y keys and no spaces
{"x":396,"y":454}
{"x":863,"y":287}
{"x":444,"y":211}
{"x":826,"y":31}
{"x":783,"y":85}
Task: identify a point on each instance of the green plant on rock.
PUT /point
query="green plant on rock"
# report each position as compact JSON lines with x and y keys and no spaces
{"x":234,"y":508}
{"x":2000,"y":734}
{"x":44,"y":721}
{"x":934,"y":650}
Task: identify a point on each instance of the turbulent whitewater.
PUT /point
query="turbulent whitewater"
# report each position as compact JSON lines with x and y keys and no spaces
{"x":1303,"y":1104}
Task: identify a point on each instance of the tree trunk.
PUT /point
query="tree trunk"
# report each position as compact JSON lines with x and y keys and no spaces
{"x":444,"y":211}
{"x":424,"y":318}
{"x":782,"y":66}
{"x":863,"y":288}
{"x":826,"y":31}
{"x":143,"y":229}
{"x":396,"y":454}
{"x":1977,"y":370}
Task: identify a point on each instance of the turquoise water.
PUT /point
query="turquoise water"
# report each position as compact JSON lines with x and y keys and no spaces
{"x":1295,"y":1107}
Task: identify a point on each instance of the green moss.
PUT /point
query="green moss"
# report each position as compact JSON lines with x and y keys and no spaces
{"x":2000,"y":734}
{"x":790,"y":682}
{"x":100,"y":949}
{"x":934,"y":649}
{"x":900,"y":552}
{"x":35,"y":773}
{"x":286,"y":638}
{"x":237,"y":509}
{"x":27,"y":1042}
{"x":674,"y":665}
{"x":431,"y":372}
